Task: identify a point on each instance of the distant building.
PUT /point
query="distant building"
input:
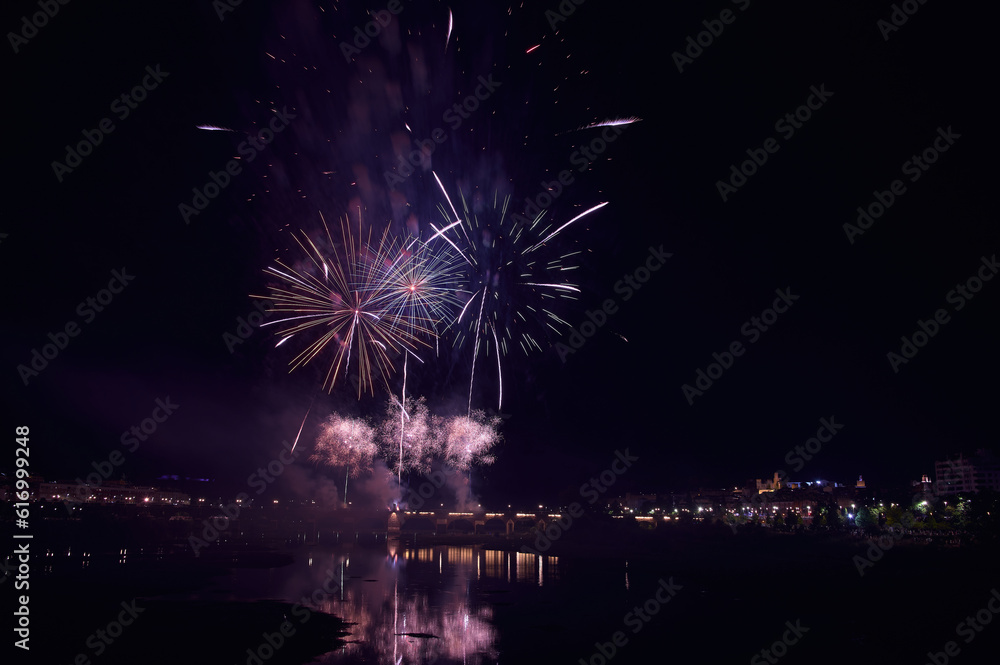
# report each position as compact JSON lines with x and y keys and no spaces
{"x":968,"y":474}
{"x":772,"y":485}
{"x":924,"y":485}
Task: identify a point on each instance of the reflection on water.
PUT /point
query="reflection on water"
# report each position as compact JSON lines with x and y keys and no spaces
{"x":405,"y":604}
{"x":413,"y":604}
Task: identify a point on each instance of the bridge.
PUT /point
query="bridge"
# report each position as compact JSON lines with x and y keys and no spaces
{"x":506,"y":523}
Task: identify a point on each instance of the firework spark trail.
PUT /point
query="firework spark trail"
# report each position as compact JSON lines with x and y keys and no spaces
{"x":499,"y":370}
{"x":615,"y":122}
{"x":451,"y":23}
{"x":214,"y":128}
{"x":402,"y":424}
{"x":452,"y":206}
{"x":440,"y":233}
{"x":557,"y":231}
{"x":296,"y":442}
{"x":402,"y":419}
{"x":475,"y":354}
{"x":445,"y":229}
{"x":561,"y":287}
{"x":447,"y":198}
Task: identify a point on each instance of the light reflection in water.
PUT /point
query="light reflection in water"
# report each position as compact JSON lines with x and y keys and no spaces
{"x":420,"y":605}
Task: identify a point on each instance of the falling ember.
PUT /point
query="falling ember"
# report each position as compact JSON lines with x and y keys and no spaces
{"x":451,"y":23}
{"x":612,"y":122}
{"x":300,"y":430}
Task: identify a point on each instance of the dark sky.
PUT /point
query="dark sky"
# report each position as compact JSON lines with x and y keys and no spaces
{"x":884,"y":102}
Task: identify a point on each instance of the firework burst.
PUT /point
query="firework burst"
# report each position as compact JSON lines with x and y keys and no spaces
{"x":345,"y":298}
{"x":469,"y":440}
{"x":419,"y":288}
{"x":516,"y":278}
{"x":346,"y":443}
{"x":408,"y":438}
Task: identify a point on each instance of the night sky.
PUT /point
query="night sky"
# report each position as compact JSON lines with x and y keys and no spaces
{"x":882,"y":102}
